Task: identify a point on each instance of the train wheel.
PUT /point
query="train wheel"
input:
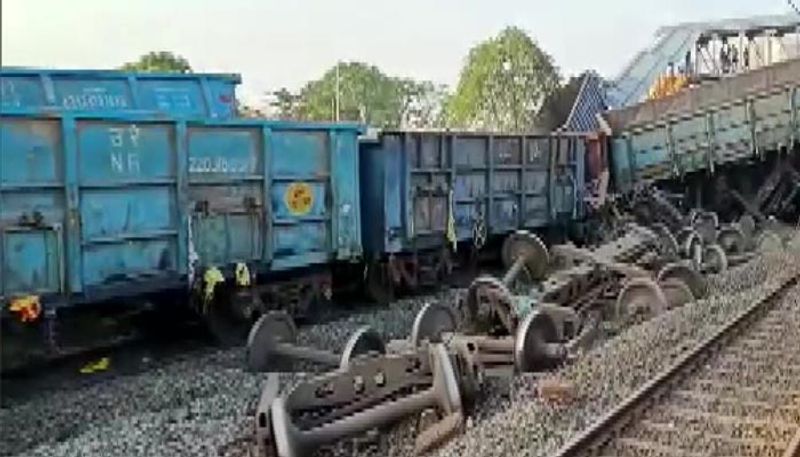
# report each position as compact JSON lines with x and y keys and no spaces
{"x":706,"y":224}
{"x":689,"y":276}
{"x":714,"y":259}
{"x":667,"y":244}
{"x":676,"y":292}
{"x":537,"y":259}
{"x":431,"y":322}
{"x":769,"y":241}
{"x":535,"y":336}
{"x":748,"y":226}
{"x":444,"y":267}
{"x":415,"y":272}
{"x":639,"y":299}
{"x":691,"y":245}
{"x":229,"y":318}
{"x":487,"y":306}
{"x":732,"y":239}
{"x":379,"y":285}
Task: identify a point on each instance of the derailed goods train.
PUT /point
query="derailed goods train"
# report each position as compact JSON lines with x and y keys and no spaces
{"x":138,"y":189}
{"x":164,"y":193}
{"x":730,"y":146}
{"x":550,"y":304}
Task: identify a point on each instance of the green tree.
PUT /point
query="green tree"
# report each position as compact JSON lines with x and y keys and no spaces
{"x":556,"y":108}
{"x":243,"y":110}
{"x":285,"y":104}
{"x":504,"y":83}
{"x":159,"y":62}
{"x":422,"y":104}
{"x":366,"y":95}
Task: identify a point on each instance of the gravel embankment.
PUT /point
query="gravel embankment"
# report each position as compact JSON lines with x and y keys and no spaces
{"x":511,"y":421}
{"x":200,"y":405}
{"x":525,"y":425}
{"x":195,"y":406}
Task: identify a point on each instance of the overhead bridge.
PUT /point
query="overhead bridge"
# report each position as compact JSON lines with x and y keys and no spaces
{"x":706,"y":49}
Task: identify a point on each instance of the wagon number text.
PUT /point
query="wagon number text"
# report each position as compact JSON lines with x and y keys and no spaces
{"x":83,"y":101}
{"x":218,"y":164}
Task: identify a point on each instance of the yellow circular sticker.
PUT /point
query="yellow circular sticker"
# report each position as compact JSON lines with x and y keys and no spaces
{"x":299,"y":198}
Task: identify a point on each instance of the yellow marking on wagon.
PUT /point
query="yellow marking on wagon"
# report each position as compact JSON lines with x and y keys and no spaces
{"x":27,"y":308}
{"x":299,"y":198}
{"x":101,"y":364}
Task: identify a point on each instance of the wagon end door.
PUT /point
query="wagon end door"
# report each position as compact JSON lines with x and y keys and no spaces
{"x":535,"y":203}
{"x":226,"y":198}
{"x":314,"y":196}
{"x":507,"y":178}
{"x":430,"y":177}
{"x":470,"y":186}
{"x":567,"y":158}
{"x":32,"y":202}
{"x":128,"y":217}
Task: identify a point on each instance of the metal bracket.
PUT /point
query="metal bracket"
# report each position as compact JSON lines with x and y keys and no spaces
{"x":631,"y":158}
{"x":711,"y":139}
{"x":793,"y":116}
{"x":677,"y":168}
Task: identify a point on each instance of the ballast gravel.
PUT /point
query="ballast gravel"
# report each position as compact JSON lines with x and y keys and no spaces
{"x":198,"y":405}
{"x":201,"y":404}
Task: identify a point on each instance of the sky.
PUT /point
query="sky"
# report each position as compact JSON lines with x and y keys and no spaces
{"x":275,"y":44}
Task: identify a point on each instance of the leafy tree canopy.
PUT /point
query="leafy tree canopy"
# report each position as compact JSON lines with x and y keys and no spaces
{"x":159,"y":62}
{"x":504,"y":83}
{"x":366,"y":95}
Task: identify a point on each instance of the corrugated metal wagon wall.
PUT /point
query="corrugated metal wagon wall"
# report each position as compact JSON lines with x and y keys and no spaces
{"x":717,"y":123}
{"x":87,"y":205}
{"x":413,"y":182}
{"x":104,"y":206}
{"x":107,"y":91}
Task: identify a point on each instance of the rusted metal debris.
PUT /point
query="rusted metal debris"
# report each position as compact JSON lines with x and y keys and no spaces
{"x":556,"y":391}
{"x":438,"y":433}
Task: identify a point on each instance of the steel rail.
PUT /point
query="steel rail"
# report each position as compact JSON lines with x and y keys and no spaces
{"x":602,"y":430}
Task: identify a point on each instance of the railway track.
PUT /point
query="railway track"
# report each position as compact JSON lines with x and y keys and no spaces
{"x":187,"y":331}
{"x":737,"y":393}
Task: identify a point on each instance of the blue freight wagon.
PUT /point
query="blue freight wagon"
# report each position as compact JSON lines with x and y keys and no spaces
{"x":110,"y":91}
{"x":95,"y":208}
{"x":425,"y":192}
